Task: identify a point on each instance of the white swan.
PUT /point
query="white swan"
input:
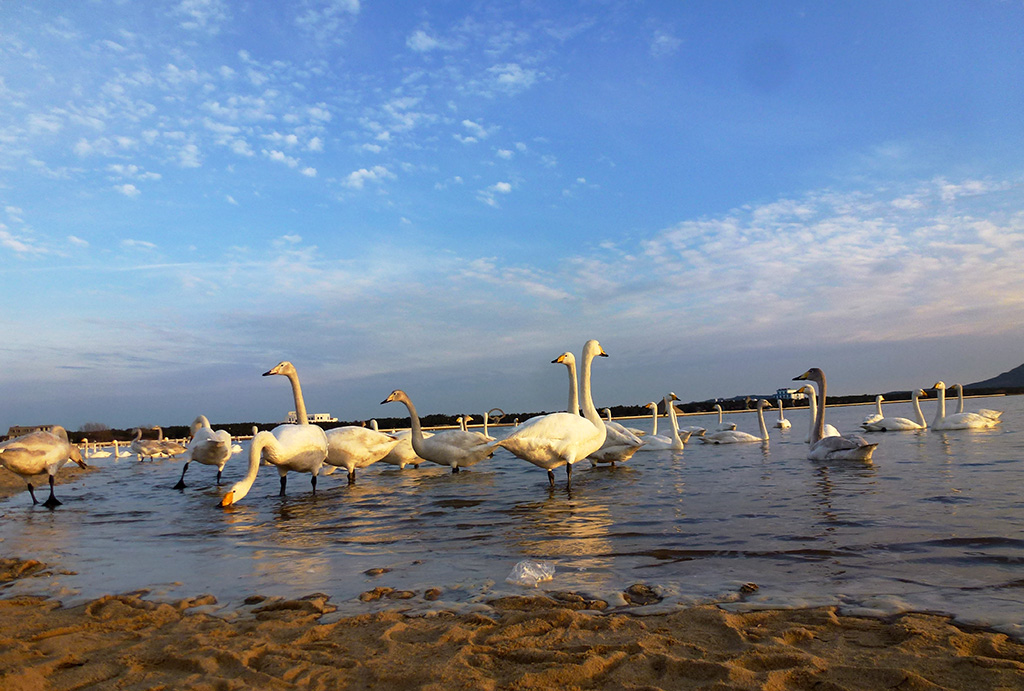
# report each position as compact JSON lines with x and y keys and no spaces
{"x":207,"y":447}
{"x":632,"y":430}
{"x":852,"y":448}
{"x":403,"y":454}
{"x":619,"y":443}
{"x":37,"y":453}
{"x":660,"y":442}
{"x":732,"y":436}
{"x":812,"y":412}
{"x":900,"y":424}
{"x":145,"y":448}
{"x":453,"y":448}
{"x":986,"y":412}
{"x":721,"y":426}
{"x":782,"y":422}
{"x":557,"y":439}
{"x":169,"y":448}
{"x":877,"y":415}
{"x":958,"y":420}
{"x":353,"y":447}
{"x":118,"y":453}
{"x":300,"y":448}
{"x":94,"y":453}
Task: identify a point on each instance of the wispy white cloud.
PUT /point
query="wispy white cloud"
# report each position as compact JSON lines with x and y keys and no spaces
{"x":128,"y":190}
{"x":205,"y":16}
{"x":664,"y":43}
{"x":357,"y":179}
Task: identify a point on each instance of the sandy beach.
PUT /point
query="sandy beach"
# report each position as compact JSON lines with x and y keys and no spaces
{"x":127,"y":641}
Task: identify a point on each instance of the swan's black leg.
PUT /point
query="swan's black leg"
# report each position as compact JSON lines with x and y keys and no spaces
{"x":352,"y":476}
{"x":218,"y":476}
{"x":181,"y":482}
{"x":568,"y":474}
{"x":551,"y":478}
{"x":455,"y":468}
{"x":284,"y":481}
{"x":32,"y":493}
{"x":313,"y":482}
{"x":416,"y":465}
{"x":52,"y":501}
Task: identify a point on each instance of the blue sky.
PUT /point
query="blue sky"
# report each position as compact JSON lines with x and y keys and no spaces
{"x":442,"y":197}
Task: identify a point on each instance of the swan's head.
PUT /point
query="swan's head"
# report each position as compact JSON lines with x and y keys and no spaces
{"x":652,"y":405}
{"x":593,"y":349}
{"x":198,"y":424}
{"x":672,"y":396}
{"x":76,"y":456}
{"x":921,"y":393}
{"x":396,"y":395}
{"x":814,"y":374}
{"x":286,"y":368}
{"x":940,"y":386}
{"x":565,"y":358}
{"x":229,"y":498}
{"x":763,"y":403}
{"x":806,"y":389}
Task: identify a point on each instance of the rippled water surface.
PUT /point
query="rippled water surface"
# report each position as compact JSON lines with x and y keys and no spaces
{"x":934,"y":524}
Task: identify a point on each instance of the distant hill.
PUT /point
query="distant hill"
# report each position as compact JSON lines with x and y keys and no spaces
{"x":1007,"y":380}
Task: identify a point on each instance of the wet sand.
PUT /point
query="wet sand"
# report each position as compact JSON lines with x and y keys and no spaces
{"x":127,"y":641}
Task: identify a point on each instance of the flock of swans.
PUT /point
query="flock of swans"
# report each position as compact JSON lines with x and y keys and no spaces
{"x":547,"y":441}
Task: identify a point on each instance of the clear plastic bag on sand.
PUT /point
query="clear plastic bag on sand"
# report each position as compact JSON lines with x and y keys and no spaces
{"x":529,"y":573}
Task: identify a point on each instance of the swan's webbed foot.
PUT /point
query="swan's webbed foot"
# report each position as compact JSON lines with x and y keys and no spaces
{"x":551,"y":478}
{"x":455,"y":469}
{"x":51,"y":502}
{"x":181,"y":482}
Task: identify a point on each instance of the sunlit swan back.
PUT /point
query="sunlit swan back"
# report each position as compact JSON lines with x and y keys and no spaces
{"x":37,"y":453}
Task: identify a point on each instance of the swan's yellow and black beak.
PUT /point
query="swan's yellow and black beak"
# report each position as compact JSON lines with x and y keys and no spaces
{"x":805,"y":375}
{"x":228,"y":499}
{"x":76,"y":456}
{"x":602,"y":353}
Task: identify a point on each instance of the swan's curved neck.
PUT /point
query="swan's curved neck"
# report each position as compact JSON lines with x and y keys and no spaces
{"x":138,"y":435}
{"x":918,"y":415}
{"x":486,"y":416}
{"x":589,"y":411}
{"x":300,"y":405}
{"x":819,"y":418}
{"x":677,"y":440}
{"x":878,"y":406}
{"x":416,"y":439}
{"x":259,"y":442}
{"x":654,"y":417}
{"x":781,"y":416}
{"x":941,"y":411}
{"x":959,"y":398}
{"x":574,"y":399}
{"x":760,"y":420}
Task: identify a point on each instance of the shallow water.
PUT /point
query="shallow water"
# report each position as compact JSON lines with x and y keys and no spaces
{"x":935,"y":524}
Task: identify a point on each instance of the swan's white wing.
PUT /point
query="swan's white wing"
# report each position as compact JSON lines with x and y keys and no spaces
{"x":841,"y":448}
{"x":357,"y":447}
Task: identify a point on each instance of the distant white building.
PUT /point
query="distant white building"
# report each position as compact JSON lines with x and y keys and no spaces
{"x":314,"y":418}
{"x":789,"y":395}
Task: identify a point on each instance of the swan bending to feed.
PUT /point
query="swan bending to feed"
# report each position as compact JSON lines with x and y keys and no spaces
{"x":732,"y":436}
{"x":557,"y":439}
{"x":620,"y":443}
{"x":851,"y":448}
{"x":354,"y":447}
{"x":660,"y":442}
{"x":208,"y":447}
{"x":37,"y":453}
{"x":877,"y":415}
{"x":812,"y":412}
{"x":300,"y":448}
{"x":958,"y":420}
{"x":986,"y":412}
{"x":782,"y":422}
{"x":453,"y":447}
{"x":900,"y":424}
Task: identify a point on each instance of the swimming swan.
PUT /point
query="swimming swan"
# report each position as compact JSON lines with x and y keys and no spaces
{"x":823,"y":448}
{"x":987,"y":412}
{"x":722,"y":425}
{"x":453,"y":448}
{"x":732,"y":436}
{"x":958,"y":420}
{"x":300,"y":448}
{"x":557,"y":439}
{"x":94,"y":453}
{"x":207,"y":447}
{"x":37,"y":453}
{"x":660,"y":442}
{"x":900,"y":424}
{"x":812,"y":411}
{"x":782,"y":422}
{"x":877,"y":415}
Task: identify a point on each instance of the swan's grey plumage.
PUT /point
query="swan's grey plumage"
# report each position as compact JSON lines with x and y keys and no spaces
{"x":823,"y":448}
{"x":37,"y":453}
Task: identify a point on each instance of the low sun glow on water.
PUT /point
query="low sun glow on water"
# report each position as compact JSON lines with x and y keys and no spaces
{"x":934,"y":524}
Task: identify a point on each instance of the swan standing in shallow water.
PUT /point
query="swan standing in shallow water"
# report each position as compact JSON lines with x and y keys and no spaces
{"x":958,"y":420}
{"x":169,"y":447}
{"x":732,"y":436}
{"x":207,"y":447}
{"x":557,"y":439}
{"x":660,"y":442}
{"x":37,"y":453}
{"x":300,"y":448}
{"x":620,"y":443}
{"x":145,"y":448}
{"x":782,"y":422}
{"x":823,"y":448}
{"x":812,"y":412}
{"x":984,"y":412}
{"x":353,"y":447}
{"x":453,"y":448}
{"x":900,"y":424}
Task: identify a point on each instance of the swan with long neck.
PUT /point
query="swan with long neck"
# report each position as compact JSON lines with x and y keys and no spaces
{"x":661,"y":442}
{"x":169,"y":447}
{"x":300,"y":448}
{"x":620,"y":443}
{"x":732,"y":436}
{"x":985,"y":412}
{"x":877,"y":415}
{"x":145,"y":448}
{"x":900,"y":424}
{"x":208,"y":447}
{"x":812,"y":412}
{"x":958,"y":420}
{"x":782,"y":422}
{"x":723,"y":426}
{"x":557,"y":439}
{"x":37,"y":453}
{"x":453,"y":448}
{"x":822,"y":448}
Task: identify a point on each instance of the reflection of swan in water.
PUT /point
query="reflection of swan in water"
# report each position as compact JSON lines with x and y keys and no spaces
{"x":207,"y":447}
{"x":984,"y":412}
{"x":721,"y":426}
{"x":853,"y":448}
{"x":353,"y":447}
{"x":453,"y":448}
{"x":732,"y":436}
{"x":300,"y":448}
{"x":782,"y":422}
{"x":900,"y":424}
{"x":660,"y":442}
{"x":619,"y":443}
{"x":37,"y":453}
{"x":557,"y":439}
{"x":877,"y":415}
{"x":812,"y":412}
{"x":958,"y":420}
